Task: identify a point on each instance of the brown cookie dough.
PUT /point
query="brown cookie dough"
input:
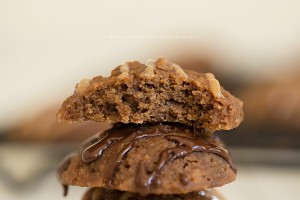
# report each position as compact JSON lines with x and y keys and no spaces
{"x":150,"y":159}
{"x":105,"y":194}
{"x":158,"y":91}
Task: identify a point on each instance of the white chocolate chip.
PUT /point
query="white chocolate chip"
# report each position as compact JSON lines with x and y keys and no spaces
{"x":214,"y":84}
{"x":83,"y":85}
{"x":148,"y":73}
{"x":124,"y":71}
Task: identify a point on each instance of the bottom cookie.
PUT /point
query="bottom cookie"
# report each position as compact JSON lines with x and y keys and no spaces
{"x":106,"y":194}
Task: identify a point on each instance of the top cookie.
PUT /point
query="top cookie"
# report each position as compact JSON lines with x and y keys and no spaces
{"x":158,"y":91}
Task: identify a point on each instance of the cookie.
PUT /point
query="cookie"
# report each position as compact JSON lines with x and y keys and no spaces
{"x":274,"y":103}
{"x":105,"y":194}
{"x":150,"y":159}
{"x":44,"y":128}
{"x":159,"y":91}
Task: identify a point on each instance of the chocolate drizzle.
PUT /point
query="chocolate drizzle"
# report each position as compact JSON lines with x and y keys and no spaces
{"x":198,"y":145}
{"x":95,"y":150}
{"x":184,"y":179}
{"x":120,"y":157}
{"x":144,"y":179}
{"x":186,"y":145}
{"x":62,"y":168}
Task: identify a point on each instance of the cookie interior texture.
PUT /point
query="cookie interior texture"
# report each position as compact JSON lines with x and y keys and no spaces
{"x":195,"y":171}
{"x":106,"y":194}
{"x":159,"y":91}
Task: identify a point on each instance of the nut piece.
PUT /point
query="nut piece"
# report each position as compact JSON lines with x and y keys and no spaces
{"x":148,"y":73}
{"x":124,"y":69}
{"x":83,"y":85}
{"x":214,"y":84}
{"x":179,"y":70}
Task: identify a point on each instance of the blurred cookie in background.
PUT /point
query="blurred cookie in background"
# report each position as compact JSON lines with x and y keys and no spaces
{"x":45,"y":128}
{"x":39,"y":144}
{"x":275,"y":102}
{"x":272,"y":112}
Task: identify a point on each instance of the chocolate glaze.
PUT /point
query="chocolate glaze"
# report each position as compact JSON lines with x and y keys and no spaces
{"x":118,"y":160}
{"x":95,"y":150}
{"x":64,"y":165}
{"x":186,"y":145}
{"x":120,"y":157}
{"x":90,"y":141}
{"x":184,"y":179}
{"x":197,"y":145}
{"x":95,"y":145}
{"x":145,"y":180}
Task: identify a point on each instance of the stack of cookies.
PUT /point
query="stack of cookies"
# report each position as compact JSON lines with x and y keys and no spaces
{"x":161,"y":144}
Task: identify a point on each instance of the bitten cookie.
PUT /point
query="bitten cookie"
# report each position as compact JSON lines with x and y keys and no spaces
{"x":158,"y":91}
{"x":150,"y":159}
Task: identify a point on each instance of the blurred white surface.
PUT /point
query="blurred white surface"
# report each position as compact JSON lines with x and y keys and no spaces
{"x":46,"y":47}
{"x":262,"y":182}
{"x":253,"y":182}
